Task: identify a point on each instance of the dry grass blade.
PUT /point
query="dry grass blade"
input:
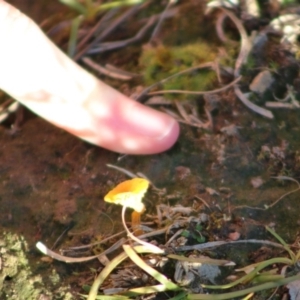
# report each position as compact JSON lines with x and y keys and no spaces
{"x":175,"y":236}
{"x":272,"y":104}
{"x":203,"y":260}
{"x":215,"y":244}
{"x":282,"y":103}
{"x":246,"y":47}
{"x":219,"y":28}
{"x":68,"y":259}
{"x":63,"y":258}
{"x":155,"y":232}
{"x":182,"y":111}
{"x":104,"y":71}
{"x":160,"y":20}
{"x":110,"y":28}
{"x":103,"y":47}
{"x":97,"y":27}
{"x":120,"y":71}
{"x":259,"y":110}
{"x":197,"y":124}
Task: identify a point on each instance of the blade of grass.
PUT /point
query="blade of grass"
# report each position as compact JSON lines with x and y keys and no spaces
{"x":267,"y":278}
{"x":203,"y":260}
{"x":147,"y":290}
{"x":75,"y":5}
{"x":112,"y":297}
{"x":169,"y":285}
{"x":154,"y":289}
{"x":115,"y":4}
{"x":104,"y":274}
{"x":241,"y":293}
{"x":284,"y":244}
{"x":73,"y":35}
{"x":109,"y":297}
{"x":180,"y":296}
{"x":109,"y":268}
{"x":252,"y":274}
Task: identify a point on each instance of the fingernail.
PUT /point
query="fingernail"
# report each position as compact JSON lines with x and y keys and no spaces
{"x":151,"y":123}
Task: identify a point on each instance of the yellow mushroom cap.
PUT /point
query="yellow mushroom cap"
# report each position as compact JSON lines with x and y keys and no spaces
{"x":129,"y":193}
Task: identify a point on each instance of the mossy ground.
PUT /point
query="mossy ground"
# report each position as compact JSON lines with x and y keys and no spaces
{"x":18,"y":280}
{"x":161,"y":62}
{"x":50,"y":179}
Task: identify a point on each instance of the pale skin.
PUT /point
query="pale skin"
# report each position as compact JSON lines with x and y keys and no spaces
{"x":36,"y":73}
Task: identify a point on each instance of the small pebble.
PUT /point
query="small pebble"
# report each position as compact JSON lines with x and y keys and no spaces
{"x":261,"y":82}
{"x":256,"y":182}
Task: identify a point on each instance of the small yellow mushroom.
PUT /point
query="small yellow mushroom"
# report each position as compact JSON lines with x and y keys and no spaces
{"x":129,"y":193}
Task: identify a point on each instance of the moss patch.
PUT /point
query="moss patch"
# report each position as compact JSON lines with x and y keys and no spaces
{"x":162,"y":61}
{"x":17,"y":280}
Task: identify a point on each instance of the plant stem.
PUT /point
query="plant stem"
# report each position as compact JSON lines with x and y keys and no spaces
{"x":240,"y":293}
{"x":251,"y":275}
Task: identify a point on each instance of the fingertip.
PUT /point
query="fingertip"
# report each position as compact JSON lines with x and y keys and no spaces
{"x":166,"y":141}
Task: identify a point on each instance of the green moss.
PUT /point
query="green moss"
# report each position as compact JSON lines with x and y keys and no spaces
{"x":17,"y":280}
{"x":273,"y":65}
{"x":250,"y":64}
{"x":16,"y":268}
{"x":161,"y":62}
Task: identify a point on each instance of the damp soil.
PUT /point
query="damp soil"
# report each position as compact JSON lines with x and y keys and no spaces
{"x":52,"y":181}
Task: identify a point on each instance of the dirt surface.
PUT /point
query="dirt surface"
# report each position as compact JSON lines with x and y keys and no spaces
{"x":50,"y":180}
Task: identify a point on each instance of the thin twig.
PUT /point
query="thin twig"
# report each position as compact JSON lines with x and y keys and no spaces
{"x":182,"y":111}
{"x":276,"y":201}
{"x":215,"y":91}
{"x":147,"y":89}
{"x":179,"y":119}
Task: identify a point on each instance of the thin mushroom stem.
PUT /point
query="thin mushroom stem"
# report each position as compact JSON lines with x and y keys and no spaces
{"x":130,"y":235}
